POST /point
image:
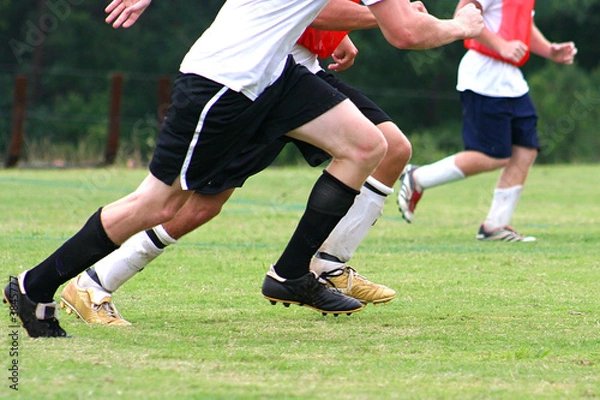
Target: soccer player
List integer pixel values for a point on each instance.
(499, 118)
(89, 295)
(236, 90)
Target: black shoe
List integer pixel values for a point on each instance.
(308, 291)
(39, 319)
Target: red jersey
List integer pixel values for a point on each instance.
(517, 19)
(322, 43)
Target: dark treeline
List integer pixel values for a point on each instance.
(68, 54)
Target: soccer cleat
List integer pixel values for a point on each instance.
(308, 291)
(352, 284)
(408, 195)
(92, 305)
(506, 234)
(39, 319)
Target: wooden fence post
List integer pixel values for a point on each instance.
(114, 123)
(17, 122)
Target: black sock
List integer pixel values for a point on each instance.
(81, 251)
(328, 202)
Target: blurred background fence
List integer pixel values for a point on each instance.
(77, 92)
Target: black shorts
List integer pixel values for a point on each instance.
(210, 127)
(255, 156)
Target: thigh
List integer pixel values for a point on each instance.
(339, 131)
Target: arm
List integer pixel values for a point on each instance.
(513, 50)
(407, 28)
(562, 53)
(125, 13)
(344, 15)
(343, 56)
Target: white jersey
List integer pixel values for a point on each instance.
(246, 46)
(485, 75)
(304, 57)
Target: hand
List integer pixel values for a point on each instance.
(513, 50)
(563, 53)
(418, 6)
(343, 56)
(125, 13)
(471, 19)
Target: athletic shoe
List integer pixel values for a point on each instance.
(92, 305)
(408, 195)
(352, 284)
(39, 319)
(308, 291)
(506, 234)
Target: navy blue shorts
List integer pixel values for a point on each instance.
(492, 125)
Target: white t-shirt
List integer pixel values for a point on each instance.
(485, 75)
(304, 57)
(246, 46)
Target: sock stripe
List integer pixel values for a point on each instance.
(374, 189)
(157, 242)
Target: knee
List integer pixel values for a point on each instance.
(206, 213)
(399, 149)
(202, 208)
(166, 213)
(524, 156)
(501, 162)
(373, 150)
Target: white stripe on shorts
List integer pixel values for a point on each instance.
(194, 142)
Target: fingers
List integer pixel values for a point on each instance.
(117, 14)
(123, 13)
(113, 4)
(564, 52)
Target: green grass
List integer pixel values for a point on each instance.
(472, 320)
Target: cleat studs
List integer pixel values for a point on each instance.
(286, 305)
(273, 302)
(324, 314)
(349, 314)
(336, 315)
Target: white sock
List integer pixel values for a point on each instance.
(438, 173)
(129, 259)
(98, 294)
(503, 206)
(353, 228)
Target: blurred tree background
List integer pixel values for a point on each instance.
(68, 54)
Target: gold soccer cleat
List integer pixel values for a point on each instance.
(352, 284)
(92, 305)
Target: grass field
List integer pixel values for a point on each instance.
(471, 321)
